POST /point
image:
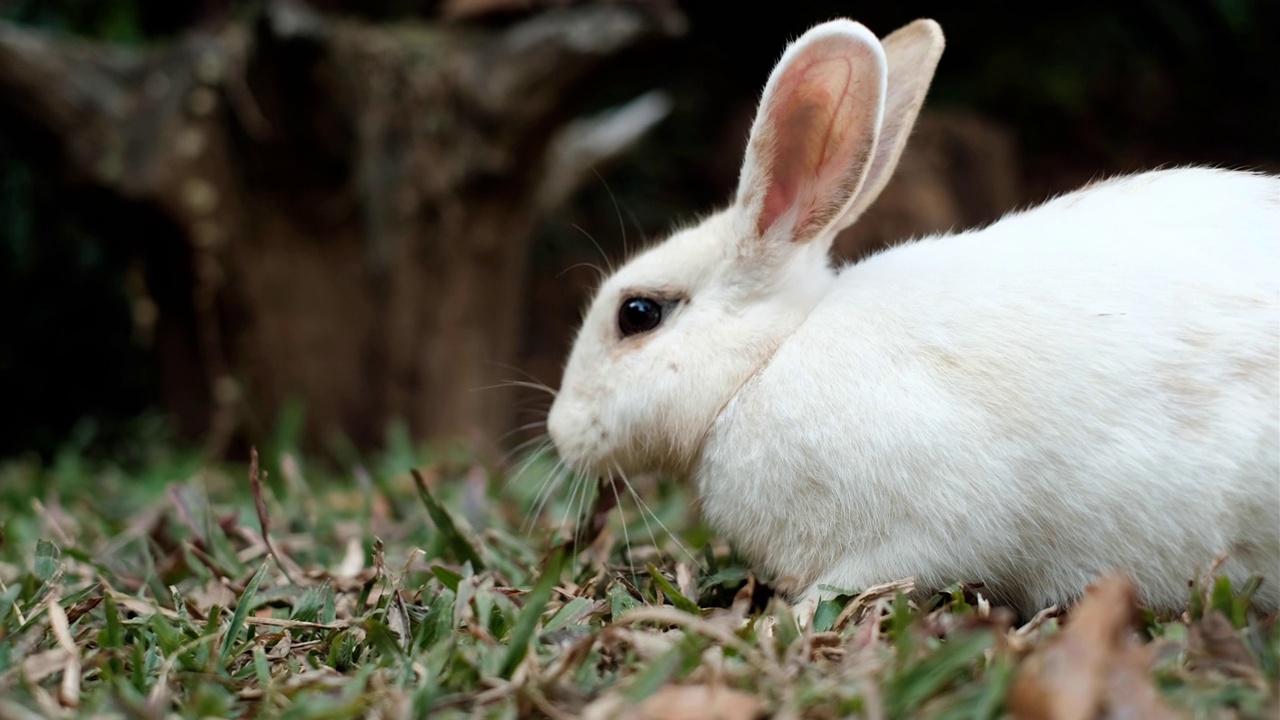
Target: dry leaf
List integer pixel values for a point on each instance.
(352, 561)
(684, 581)
(868, 599)
(141, 607)
(214, 592)
(1131, 694)
(1094, 668)
(735, 616)
(69, 690)
(679, 702)
(282, 648)
(646, 645)
(36, 668)
(1213, 644)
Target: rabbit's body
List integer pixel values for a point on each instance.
(1089, 386)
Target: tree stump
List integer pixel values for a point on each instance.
(334, 211)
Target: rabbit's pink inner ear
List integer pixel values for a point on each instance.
(818, 133)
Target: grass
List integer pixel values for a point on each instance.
(182, 589)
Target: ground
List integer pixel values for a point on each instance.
(178, 588)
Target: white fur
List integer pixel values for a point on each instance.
(1088, 386)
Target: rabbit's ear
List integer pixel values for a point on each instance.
(913, 52)
(814, 134)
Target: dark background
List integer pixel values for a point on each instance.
(1077, 89)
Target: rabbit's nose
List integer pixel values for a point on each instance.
(555, 427)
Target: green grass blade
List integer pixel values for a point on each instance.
(113, 635)
(674, 595)
(916, 683)
(1223, 598)
(1240, 606)
(826, 615)
(240, 615)
(447, 576)
(8, 599)
(309, 606)
(620, 601)
(570, 613)
(261, 668)
(48, 559)
(655, 675)
(535, 602)
(454, 540)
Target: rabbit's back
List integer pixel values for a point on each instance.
(1090, 385)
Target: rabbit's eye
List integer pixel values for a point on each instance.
(638, 315)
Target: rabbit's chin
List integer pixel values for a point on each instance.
(621, 465)
(585, 454)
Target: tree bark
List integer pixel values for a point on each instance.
(336, 212)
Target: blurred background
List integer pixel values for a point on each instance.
(222, 221)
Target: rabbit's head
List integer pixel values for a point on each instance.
(675, 332)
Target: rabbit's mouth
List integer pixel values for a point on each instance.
(608, 490)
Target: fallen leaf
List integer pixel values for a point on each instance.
(69, 690)
(80, 609)
(735, 616)
(141, 607)
(214, 592)
(684, 581)
(282, 648)
(1130, 692)
(647, 645)
(352, 560)
(36, 668)
(1094, 668)
(679, 702)
(868, 598)
(1213, 644)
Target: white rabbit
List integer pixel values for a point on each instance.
(1087, 386)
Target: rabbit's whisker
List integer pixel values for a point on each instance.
(622, 228)
(599, 249)
(622, 514)
(545, 489)
(599, 270)
(645, 508)
(523, 428)
(512, 368)
(541, 387)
